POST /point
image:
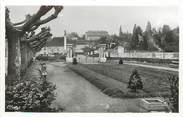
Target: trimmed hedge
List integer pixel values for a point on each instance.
(148, 60)
(49, 58)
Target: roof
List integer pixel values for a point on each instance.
(97, 33)
(56, 41)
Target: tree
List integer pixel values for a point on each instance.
(135, 81)
(137, 41)
(16, 31)
(102, 40)
(120, 32)
(73, 35)
(32, 43)
(172, 84)
(169, 39)
(114, 39)
(148, 36)
(134, 40)
(88, 49)
(82, 37)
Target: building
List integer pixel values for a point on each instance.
(114, 52)
(54, 46)
(95, 35)
(79, 47)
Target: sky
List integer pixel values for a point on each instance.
(109, 18)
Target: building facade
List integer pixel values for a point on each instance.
(95, 35)
(54, 46)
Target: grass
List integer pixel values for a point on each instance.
(112, 78)
(153, 79)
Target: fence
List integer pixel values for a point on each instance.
(154, 55)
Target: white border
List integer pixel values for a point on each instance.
(83, 3)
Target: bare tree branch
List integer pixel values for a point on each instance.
(40, 46)
(27, 18)
(53, 16)
(35, 20)
(42, 34)
(39, 42)
(19, 23)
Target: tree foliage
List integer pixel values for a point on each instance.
(166, 39)
(138, 41)
(170, 40)
(172, 84)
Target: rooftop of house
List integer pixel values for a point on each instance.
(97, 33)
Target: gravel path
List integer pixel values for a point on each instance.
(154, 67)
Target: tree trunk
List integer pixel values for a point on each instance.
(24, 61)
(14, 57)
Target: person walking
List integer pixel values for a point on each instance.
(43, 72)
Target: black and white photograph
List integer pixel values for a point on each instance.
(91, 59)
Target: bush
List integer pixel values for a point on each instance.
(121, 61)
(29, 96)
(43, 58)
(75, 61)
(173, 86)
(135, 81)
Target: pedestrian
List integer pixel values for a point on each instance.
(43, 71)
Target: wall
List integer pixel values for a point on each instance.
(159, 55)
(51, 50)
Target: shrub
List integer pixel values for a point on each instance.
(173, 86)
(135, 81)
(121, 61)
(41, 57)
(75, 61)
(30, 96)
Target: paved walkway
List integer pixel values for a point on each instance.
(76, 94)
(154, 67)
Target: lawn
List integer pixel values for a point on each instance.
(153, 79)
(112, 79)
